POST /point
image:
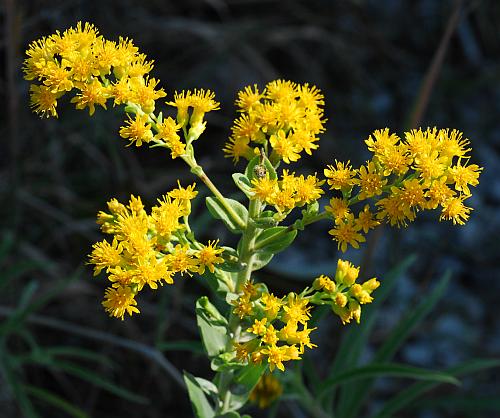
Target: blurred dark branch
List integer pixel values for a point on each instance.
(434, 69)
(12, 102)
(147, 351)
(419, 109)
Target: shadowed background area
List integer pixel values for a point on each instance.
(396, 64)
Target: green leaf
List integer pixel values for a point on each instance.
(250, 375)
(261, 259)
(213, 327)
(243, 184)
(218, 211)
(276, 239)
(250, 173)
(383, 370)
(231, 261)
(55, 400)
(199, 402)
(408, 395)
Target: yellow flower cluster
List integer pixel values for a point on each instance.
(343, 294)
(288, 193)
(426, 170)
(148, 249)
(101, 70)
(81, 59)
(285, 116)
(267, 390)
(277, 327)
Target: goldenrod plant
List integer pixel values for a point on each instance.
(258, 332)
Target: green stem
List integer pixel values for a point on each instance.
(247, 248)
(198, 170)
(245, 256)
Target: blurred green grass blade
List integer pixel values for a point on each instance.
(192, 346)
(408, 324)
(54, 400)
(355, 338)
(97, 380)
(17, 389)
(463, 403)
(386, 370)
(80, 353)
(408, 395)
(353, 401)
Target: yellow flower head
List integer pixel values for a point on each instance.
(208, 257)
(346, 232)
(118, 301)
(137, 130)
(340, 176)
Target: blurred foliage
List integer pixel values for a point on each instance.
(369, 58)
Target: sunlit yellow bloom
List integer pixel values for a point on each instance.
(272, 305)
(144, 94)
(208, 257)
(43, 101)
(259, 327)
(370, 181)
(105, 255)
(391, 209)
(284, 147)
(341, 176)
(248, 97)
(165, 216)
(91, 94)
(452, 144)
(151, 271)
(281, 90)
(438, 193)
(339, 208)
(325, 283)
(347, 233)
(237, 148)
(381, 141)
(412, 194)
(180, 261)
(346, 272)
(296, 309)
(119, 300)
(465, 175)
(265, 188)
(455, 210)
(137, 130)
(365, 220)
(430, 166)
(307, 189)
(310, 96)
(395, 160)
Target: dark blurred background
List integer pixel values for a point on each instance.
(396, 64)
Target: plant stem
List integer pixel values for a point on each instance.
(247, 250)
(246, 256)
(198, 170)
